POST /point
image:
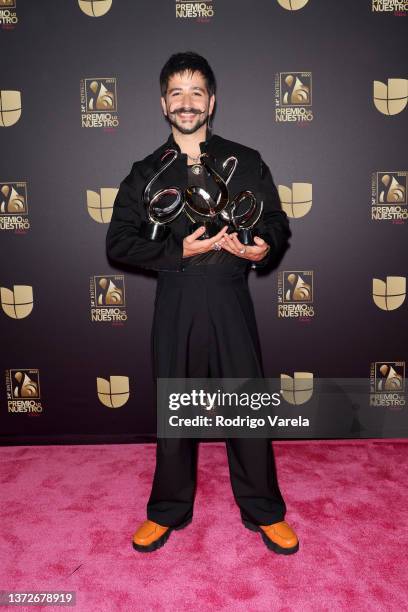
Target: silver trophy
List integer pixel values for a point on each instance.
(242, 222)
(159, 211)
(199, 202)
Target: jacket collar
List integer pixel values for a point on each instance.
(203, 145)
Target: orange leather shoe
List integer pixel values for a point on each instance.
(150, 535)
(278, 537)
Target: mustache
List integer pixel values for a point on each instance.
(193, 111)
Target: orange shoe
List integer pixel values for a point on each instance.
(278, 537)
(150, 535)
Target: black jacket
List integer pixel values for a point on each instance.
(125, 246)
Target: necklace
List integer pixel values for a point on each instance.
(196, 167)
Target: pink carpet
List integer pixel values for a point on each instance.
(68, 514)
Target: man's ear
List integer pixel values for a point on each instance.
(211, 105)
(163, 104)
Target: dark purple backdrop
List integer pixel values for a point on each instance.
(52, 47)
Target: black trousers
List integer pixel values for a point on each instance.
(204, 326)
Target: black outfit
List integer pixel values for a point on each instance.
(204, 322)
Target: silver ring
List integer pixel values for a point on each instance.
(216, 246)
(243, 250)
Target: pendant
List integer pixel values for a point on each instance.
(196, 168)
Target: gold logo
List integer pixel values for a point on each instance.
(393, 7)
(25, 384)
(7, 4)
(99, 103)
(392, 189)
(296, 294)
(101, 94)
(296, 200)
(297, 390)
(17, 303)
(389, 295)
(109, 293)
(296, 288)
(100, 205)
(390, 98)
(95, 8)
(389, 196)
(293, 97)
(389, 376)
(13, 198)
(100, 97)
(10, 107)
(296, 88)
(108, 303)
(114, 392)
(387, 383)
(200, 11)
(293, 5)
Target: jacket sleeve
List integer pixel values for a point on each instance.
(123, 243)
(273, 225)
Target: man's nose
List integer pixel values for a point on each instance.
(187, 101)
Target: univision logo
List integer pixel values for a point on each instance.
(100, 203)
(390, 98)
(297, 389)
(95, 8)
(114, 392)
(296, 200)
(10, 107)
(18, 302)
(292, 5)
(389, 294)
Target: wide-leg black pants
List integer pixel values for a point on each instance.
(204, 326)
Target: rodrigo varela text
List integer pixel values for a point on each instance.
(238, 421)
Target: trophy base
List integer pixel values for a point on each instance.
(211, 229)
(245, 236)
(153, 231)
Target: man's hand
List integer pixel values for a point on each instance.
(257, 252)
(193, 246)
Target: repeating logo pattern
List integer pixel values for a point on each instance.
(14, 206)
(108, 300)
(294, 99)
(95, 8)
(99, 103)
(10, 107)
(389, 196)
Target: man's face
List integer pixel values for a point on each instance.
(187, 103)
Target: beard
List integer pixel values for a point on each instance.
(172, 119)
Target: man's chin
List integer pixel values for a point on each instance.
(186, 129)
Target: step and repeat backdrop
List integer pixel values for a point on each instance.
(319, 87)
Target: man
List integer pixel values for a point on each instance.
(204, 322)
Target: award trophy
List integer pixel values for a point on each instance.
(159, 212)
(204, 205)
(244, 222)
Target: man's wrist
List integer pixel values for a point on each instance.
(266, 252)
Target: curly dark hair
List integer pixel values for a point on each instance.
(190, 61)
